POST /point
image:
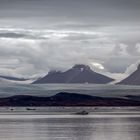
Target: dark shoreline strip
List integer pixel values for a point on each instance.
(69, 100)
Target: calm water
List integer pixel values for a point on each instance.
(98, 126)
(60, 124)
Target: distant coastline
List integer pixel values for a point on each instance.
(69, 100)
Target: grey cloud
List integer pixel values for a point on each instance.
(118, 50)
(78, 26)
(61, 52)
(17, 34)
(119, 64)
(56, 34)
(41, 56)
(95, 12)
(82, 37)
(49, 34)
(122, 57)
(12, 35)
(133, 49)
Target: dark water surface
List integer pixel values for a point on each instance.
(98, 126)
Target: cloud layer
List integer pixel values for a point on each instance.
(32, 53)
(38, 36)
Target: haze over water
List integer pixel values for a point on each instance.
(52, 89)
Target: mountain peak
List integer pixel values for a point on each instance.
(77, 74)
(79, 66)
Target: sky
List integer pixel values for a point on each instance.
(37, 36)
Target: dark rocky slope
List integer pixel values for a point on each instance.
(77, 74)
(133, 79)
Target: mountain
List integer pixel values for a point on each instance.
(133, 79)
(133, 97)
(77, 74)
(66, 99)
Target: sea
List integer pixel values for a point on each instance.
(62, 123)
(104, 124)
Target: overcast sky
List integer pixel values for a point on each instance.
(40, 35)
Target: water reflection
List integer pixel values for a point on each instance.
(61, 127)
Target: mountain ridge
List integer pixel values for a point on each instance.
(132, 79)
(68, 99)
(77, 74)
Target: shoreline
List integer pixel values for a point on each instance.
(64, 99)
